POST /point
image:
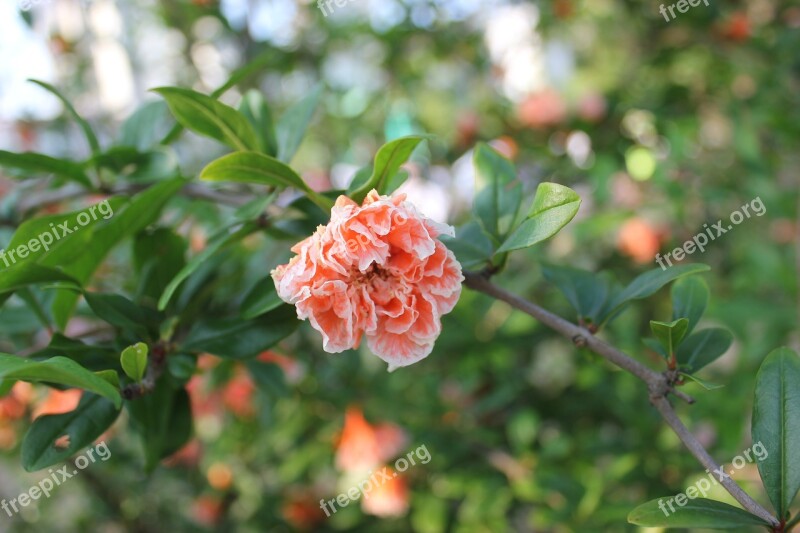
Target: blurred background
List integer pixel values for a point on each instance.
(661, 126)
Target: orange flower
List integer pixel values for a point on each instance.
(388, 498)
(363, 446)
(639, 240)
(377, 270)
(58, 402)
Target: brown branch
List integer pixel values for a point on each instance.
(659, 385)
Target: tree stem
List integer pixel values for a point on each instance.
(658, 384)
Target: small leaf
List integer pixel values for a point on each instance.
(388, 160)
(57, 370)
(670, 334)
(134, 361)
(553, 207)
(207, 116)
(87, 422)
(32, 164)
(703, 348)
(689, 300)
(292, 126)
(776, 425)
(699, 513)
(703, 383)
(497, 203)
(261, 169)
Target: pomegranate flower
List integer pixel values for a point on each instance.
(377, 270)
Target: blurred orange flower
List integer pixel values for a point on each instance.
(363, 446)
(638, 240)
(389, 498)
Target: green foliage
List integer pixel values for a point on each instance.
(387, 164)
(776, 424)
(134, 361)
(698, 512)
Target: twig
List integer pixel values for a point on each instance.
(659, 385)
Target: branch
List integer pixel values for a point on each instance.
(659, 384)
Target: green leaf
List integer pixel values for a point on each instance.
(57, 370)
(134, 361)
(388, 160)
(207, 116)
(263, 297)
(703, 383)
(142, 210)
(39, 164)
(143, 129)
(87, 422)
(261, 169)
(689, 300)
(242, 339)
(158, 255)
(553, 207)
(586, 291)
(776, 425)
(471, 245)
(256, 111)
(497, 203)
(91, 138)
(703, 348)
(110, 376)
(22, 275)
(163, 420)
(121, 312)
(698, 513)
(292, 126)
(651, 281)
(670, 334)
(218, 242)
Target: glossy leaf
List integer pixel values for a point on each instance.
(553, 207)
(390, 157)
(703, 348)
(776, 425)
(261, 169)
(696, 513)
(134, 361)
(93, 416)
(670, 334)
(57, 370)
(689, 300)
(206, 116)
